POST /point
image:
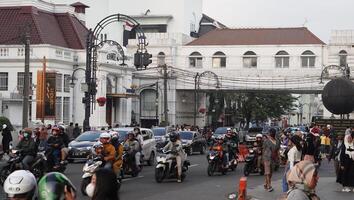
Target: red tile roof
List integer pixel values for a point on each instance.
(60, 29)
(258, 36)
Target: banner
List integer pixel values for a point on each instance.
(39, 95)
(50, 95)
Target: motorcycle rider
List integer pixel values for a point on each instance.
(109, 151)
(219, 145)
(20, 185)
(55, 143)
(28, 148)
(119, 152)
(134, 147)
(176, 148)
(231, 140)
(54, 186)
(140, 140)
(64, 150)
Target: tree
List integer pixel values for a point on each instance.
(261, 106)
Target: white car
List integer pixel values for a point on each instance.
(148, 146)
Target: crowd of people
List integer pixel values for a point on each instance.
(304, 153)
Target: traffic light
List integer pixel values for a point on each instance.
(138, 60)
(147, 59)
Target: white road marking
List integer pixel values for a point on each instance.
(193, 165)
(129, 179)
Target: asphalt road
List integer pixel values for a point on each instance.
(197, 185)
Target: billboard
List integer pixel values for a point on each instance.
(46, 95)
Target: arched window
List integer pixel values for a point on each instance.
(282, 59)
(308, 59)
(250, 59)
(343, 58)
(219, 59)
(161, 57)
(196, 60)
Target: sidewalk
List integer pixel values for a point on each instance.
(327, 189)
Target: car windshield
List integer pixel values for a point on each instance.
(220, 131)
(184, 135)
(88, 136)
(159, 131)
(122, 134)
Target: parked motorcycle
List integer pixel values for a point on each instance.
(251, 164)
(215, 161)
(166, 167)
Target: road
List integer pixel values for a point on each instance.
(199, 186)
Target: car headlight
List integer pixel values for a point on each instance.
(88, 148)
(69, 148)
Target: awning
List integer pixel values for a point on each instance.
(122, 95)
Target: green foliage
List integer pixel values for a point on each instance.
(261, 106)
(4, 120)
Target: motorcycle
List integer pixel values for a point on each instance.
(167, 166)
(51, 167)
(215, 161)
(251, 164)
(129, 167)
(12, 164)
(89, 169)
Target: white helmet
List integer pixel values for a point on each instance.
(4, 126)
(105, 135)
(114, 134)
(259, 135)
(97, 145)
(21, 182)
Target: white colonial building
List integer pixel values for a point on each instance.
(58, 33)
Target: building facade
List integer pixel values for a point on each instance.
(58, 33)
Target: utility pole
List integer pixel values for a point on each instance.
(157, 103)
(88, 81)
(165, 94)
(195, 99)
(26, 85)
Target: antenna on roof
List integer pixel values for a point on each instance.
(305, 22)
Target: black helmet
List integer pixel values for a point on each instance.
(52, 186)
(173, 136)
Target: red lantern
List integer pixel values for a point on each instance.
(202, 110)
(101, 101)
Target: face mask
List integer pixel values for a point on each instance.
(90, 189)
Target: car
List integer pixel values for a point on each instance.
(192, 142)
(250, 136)
(80, 147)
(161, 136)
(221, 131)
(148, 146)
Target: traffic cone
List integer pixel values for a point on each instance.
(242, 191)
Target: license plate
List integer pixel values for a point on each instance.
(78, 154)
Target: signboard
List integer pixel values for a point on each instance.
(39, 96)
(50, 95)
(339, 125)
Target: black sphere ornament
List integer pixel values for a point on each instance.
(338, 96)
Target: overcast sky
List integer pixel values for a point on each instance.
(320, 16)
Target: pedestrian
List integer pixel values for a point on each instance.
(302, 180)
(268, 148)
(103, 185)
(43, 137)
(336, 147)
(346, 173)
(70, 131)
(294, 156)
(309, 148)
(76, 131)
(6, 138)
